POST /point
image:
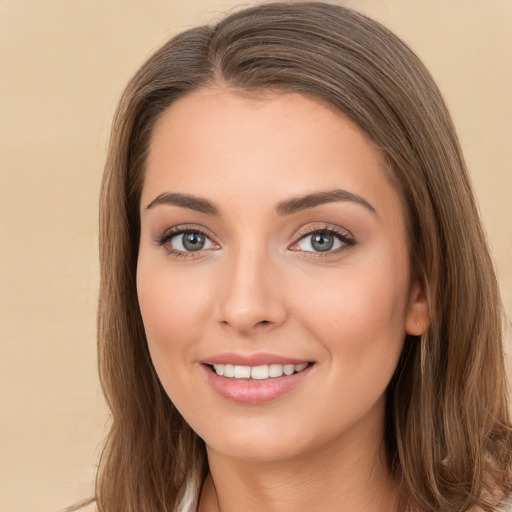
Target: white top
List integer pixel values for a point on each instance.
(506, 506)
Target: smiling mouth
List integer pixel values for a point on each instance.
(261, 372)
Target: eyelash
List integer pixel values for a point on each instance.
(346, 239)
(163, 241)
(343, 236)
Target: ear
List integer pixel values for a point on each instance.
(418, 316)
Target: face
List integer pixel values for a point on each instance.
(273, 275)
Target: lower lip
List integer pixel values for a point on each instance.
(253, 391)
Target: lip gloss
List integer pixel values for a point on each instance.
(252, 391)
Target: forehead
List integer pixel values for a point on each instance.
(215, 142)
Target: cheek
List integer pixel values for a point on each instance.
(173, 310)
(360, 317)
(366, 298)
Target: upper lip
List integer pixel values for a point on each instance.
(256, 359)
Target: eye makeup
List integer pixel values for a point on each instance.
(193, 241)
(325, 237)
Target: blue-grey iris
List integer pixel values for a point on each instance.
(193, 241)
(322, 242)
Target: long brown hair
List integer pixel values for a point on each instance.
(448, 434)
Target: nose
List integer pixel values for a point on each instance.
(251, 297)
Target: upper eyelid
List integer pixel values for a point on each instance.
(180, 229)
(323, 227)
(164, 241)
(343, 235)
(301, 233)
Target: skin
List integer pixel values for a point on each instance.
(259, 286)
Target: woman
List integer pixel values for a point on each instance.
(298, 309)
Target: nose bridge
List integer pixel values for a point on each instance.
(250, 297)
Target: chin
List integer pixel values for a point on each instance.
(256, 448)
(270, 441)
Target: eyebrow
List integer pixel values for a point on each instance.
(318, 198)
(185, 201)
(287, 207)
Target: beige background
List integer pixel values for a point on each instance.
(63, 65)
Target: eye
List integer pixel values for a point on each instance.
(185, 241)
(323, 241)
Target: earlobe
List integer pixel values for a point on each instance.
(418, 314)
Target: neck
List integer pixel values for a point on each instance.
(350, 475)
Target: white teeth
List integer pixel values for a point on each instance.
(275, 370)
(229, 370)
(261, 372)
(242, 372)
(288, 369)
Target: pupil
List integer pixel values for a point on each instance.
(193, 241)
(322, 242)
